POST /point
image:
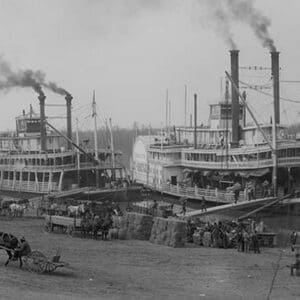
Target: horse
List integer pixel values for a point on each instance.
(17, 210)
(10, 243)
(106, 224)
(91, 227)
(76, 210)
(5, 206)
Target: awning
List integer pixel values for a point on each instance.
(253, 173)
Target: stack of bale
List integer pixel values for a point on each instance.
(169, 232)
(135, 226)
(197, 238)
(206, 241)
(113, 232)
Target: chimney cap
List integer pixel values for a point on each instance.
(68, 97)
(41, 96)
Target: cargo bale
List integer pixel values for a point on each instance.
(197, 238)
(169, 232)
(136, 226)
(206, 239)
(113, 233)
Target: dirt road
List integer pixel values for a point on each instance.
(140, 270)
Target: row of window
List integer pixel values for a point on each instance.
(25, 176)
(212, 157)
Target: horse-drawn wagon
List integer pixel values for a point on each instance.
(63, 224)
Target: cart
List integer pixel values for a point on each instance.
(62, 224)
(37, 262)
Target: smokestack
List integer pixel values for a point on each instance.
(42, 98)
(69, 119)
(235, 107)
(275, 75)
(195, 121)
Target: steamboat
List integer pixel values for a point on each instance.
(37, 158)
(205, 162)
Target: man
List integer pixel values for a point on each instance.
(255, 242)
(236, 189)
(184, 202)
(265, 186)
(250, 190)
(22, 250)
(293, 239)
(203, 204)
(154, 208)
(246, 238)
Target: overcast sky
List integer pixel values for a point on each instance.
(131, 51)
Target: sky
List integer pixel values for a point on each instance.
(131, 51)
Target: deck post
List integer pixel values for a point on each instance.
(36, 181)
(60, 181)
(21, 180)
(50, 181)
(28, 181)
(2, 176)
(14, 179)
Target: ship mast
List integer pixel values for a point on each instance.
(78, 153)
(94, 115)
(112, 150)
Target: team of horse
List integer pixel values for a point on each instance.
(92, 226)
(94, 220)
(13, 208)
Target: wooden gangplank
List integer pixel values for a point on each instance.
(69, 193)
(231, 206)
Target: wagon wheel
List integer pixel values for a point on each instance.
(50, 267)
(42, 266)
(35, 261)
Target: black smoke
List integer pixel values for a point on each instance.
(225, 12)
(36, 80)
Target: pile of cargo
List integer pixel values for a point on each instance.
(134, 226)
(165, 231)
(170, 232)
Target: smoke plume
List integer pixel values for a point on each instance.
(36, 80)
(227, 11)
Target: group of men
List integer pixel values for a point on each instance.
(246, 240)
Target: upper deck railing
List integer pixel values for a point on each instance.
(223, 165)
(214, 195)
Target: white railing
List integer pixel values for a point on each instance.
(214, 195)
(28, 186)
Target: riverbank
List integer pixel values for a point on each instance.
(141, 270)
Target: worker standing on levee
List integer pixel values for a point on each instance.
(255, 242)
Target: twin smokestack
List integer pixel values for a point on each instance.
(235, 108)
(42, 99)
